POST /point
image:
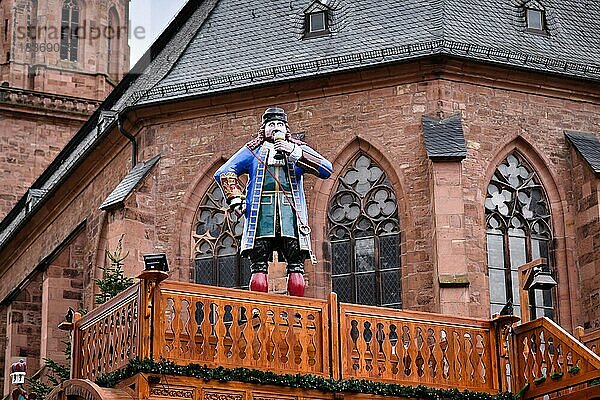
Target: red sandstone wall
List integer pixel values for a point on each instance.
(586, 192)
(23, 328)
(28, 143)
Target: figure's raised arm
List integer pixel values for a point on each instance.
(314, 163)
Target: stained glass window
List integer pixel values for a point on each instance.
(216, 239)
(69, 30)
(365, 238)
(518, 231)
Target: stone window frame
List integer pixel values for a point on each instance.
(511, 226)
(344, 231)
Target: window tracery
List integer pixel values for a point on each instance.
(365, 237)
(519, 230)
(216, 239)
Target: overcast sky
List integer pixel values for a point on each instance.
(153, 16)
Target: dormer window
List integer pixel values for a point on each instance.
(535, 20)
(317, 18)
(316, 22)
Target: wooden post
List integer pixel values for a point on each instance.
(149, 282)
(525, 275)
(334, 343)
(498, 324)
(579, 332)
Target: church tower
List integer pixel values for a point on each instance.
(65, 47)
(58, 60)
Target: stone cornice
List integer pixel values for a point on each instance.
(47, 102)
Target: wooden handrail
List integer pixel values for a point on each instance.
(107, 338)
(549, 359)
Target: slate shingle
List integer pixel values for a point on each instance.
(444, 139)
(245, 43)
(588, 145)
(128, 184)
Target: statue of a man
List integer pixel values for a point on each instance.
(273, 200)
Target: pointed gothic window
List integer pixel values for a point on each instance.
(365, 237)
(216, 239)
(69, 31)
(518, 231)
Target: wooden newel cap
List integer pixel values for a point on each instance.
(153, 275)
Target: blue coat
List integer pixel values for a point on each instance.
(246, 161)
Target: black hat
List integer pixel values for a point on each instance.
(274, 114)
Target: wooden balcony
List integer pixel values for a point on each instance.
(215, 327)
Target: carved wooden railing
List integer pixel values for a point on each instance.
(417, 348)
(185, 323)
(550, 360)
(234, 328)
(108, 337)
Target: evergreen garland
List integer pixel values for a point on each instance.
(303, 381)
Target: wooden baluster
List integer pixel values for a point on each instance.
(408, 353)
(213, 337)
(169, 333)
(481, 370)
(420, 347)
(297, 347)
(177, 325)
(367, 336)
(256, 326)
(270, 326)
(546, 365)
(472, 357)
(227, 339)
(198, 320)
(535, 354)
(444, 346)
(354, 340)
(311, 349)
(242, 324)
(381, 357)
(432, 356)
(394, 349)
(459, 354)
(284, 335)
(184, 333)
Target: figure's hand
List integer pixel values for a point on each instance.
(238, 206)
(284, 146)
(239, 209)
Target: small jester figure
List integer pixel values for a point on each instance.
(273, 201)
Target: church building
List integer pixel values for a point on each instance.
(464, 138)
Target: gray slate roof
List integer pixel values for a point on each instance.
(247, 43)
(129, 183)
(588, 145)
(444, 139)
